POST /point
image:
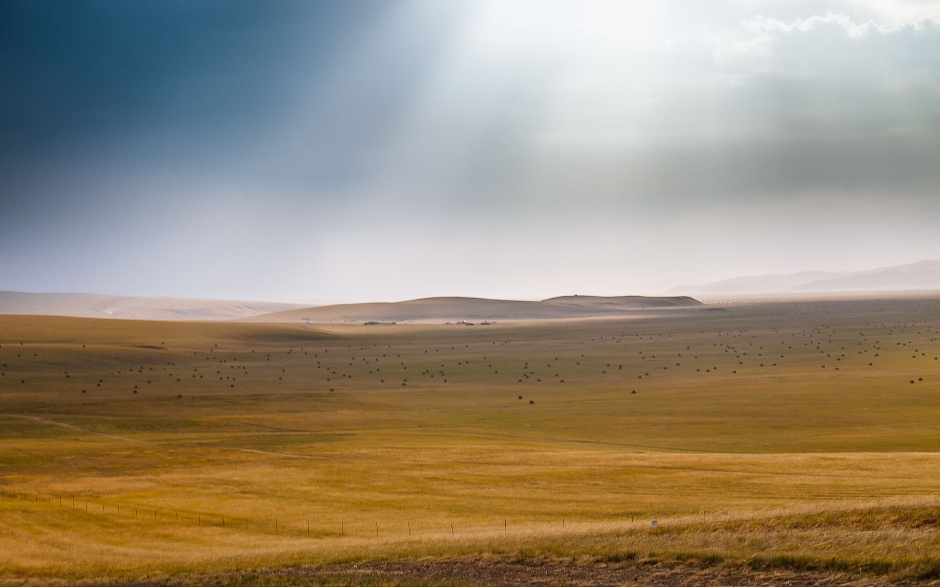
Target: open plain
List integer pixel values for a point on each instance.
(771, 442)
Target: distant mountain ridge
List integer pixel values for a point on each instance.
(481, 309)
(923, 275)
(920, 276)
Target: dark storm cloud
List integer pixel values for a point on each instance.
(127, 126)
(74, 68)
(274, 146)
(163, 85)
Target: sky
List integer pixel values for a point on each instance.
(382, 150)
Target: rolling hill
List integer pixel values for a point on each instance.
(481, 309)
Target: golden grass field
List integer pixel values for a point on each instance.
(777, 435)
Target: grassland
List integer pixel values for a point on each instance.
(798, 436)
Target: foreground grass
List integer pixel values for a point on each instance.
(800, 436)
(899, 541)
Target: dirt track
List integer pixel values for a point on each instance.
(542, 572)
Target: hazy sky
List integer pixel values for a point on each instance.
(392, 149)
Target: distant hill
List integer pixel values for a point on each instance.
(455, 309)
(924, 275)
(135, 308)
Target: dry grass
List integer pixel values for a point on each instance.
(221, 447)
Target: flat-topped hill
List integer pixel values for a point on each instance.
(481, 309)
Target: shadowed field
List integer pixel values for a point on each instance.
(799, 436)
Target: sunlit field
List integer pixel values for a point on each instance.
(775, 435)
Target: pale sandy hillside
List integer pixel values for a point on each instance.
(455, 309)
(133, 308)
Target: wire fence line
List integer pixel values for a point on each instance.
(278, 524)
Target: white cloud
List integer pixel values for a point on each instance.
(854, 30)
(814, 40)
(894, 12)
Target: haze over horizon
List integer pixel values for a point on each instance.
(510, 149)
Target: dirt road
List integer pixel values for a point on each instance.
(506, 572)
